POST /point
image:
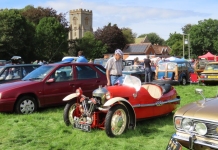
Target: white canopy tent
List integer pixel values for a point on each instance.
(141, 57)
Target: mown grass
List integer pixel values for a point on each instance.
(45, 130)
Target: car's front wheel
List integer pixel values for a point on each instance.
(26, 105)
(70, 110)
(116, 120)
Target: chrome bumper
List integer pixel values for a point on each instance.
(193, 140)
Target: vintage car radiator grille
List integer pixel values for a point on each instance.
(212, 128)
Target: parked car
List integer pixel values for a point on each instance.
(138, 71)
(210, 74)
(200, 65)
(196, 125)
(3, 62)
(118, 107)
(49, 84)
(173, 72)
(101, 61)
(11, 73)
(16, 60)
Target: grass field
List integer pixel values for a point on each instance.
(45, 130)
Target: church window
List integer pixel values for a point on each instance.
(74, 20)
(86, 21)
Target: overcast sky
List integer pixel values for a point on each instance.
(142, 16)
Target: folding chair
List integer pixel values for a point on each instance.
(194, 78)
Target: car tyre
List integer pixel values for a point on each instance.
(26, 105)
(116, 120)
(70, 110)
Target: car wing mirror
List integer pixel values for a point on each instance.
(51, 80)
(199, 91)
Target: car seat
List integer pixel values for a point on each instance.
(62, 76)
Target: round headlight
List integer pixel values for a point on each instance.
(186, 124)
(108, 95)
(201, 128)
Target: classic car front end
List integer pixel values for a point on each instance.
(196, 125)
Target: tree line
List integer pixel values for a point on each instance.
(42, 34)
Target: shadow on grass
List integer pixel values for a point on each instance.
(51, 109)
(151, 127)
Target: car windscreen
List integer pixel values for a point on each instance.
(101, 68)
(1, 68)
(39, 73)
(211, 67)
(133, 68)
(167, 66)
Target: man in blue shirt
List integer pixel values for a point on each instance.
(81, 57)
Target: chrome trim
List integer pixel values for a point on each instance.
(200, 119)
(196, 141)
(158, 103)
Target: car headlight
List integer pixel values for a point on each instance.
(177, 122)
(201, 128)
(108, 95)
(187, 124)
(203, 76)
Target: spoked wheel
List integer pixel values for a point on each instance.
(26, 105)
(70, 110)
(116, 120)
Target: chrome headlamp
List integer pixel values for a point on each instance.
(187, 124)
(201, 128)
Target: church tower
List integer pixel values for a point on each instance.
(80, 22)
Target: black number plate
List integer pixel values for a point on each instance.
(84, 127)
(174, 145)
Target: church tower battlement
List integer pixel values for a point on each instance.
(80, 22)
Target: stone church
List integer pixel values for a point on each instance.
(80, 22)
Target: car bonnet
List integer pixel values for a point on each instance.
(15, 85)
(204, 110)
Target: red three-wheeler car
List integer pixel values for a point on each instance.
(118, 107)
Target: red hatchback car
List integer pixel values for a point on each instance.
(49, 84)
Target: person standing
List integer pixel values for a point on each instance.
(81, 57)
(148, 72)
(114, 67)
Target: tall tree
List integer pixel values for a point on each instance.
(112, 36)
(36, 14)
(51, 38)
(175, 43)
(16, 34)
(204, 37)
(91, 47)
(129, 35)
(186, 28)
